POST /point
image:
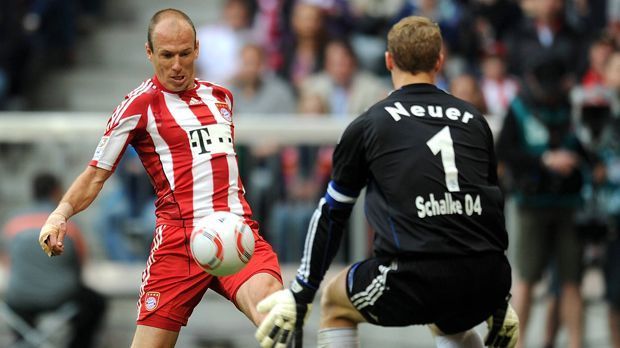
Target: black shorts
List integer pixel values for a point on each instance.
(454, 293)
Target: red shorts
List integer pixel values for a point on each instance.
(173, 284)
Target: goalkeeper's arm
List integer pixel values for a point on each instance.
(289, 308)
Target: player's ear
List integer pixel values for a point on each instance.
(389, 61)
(440, 61)
(197, 48)
(149, 52)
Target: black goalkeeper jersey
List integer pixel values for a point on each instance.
(428, 164)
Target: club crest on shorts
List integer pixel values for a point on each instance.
(151, 300)
(224, 111)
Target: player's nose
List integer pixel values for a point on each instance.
(176, 65)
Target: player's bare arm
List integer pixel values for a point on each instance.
(78, 197)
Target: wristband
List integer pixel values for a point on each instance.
(302, 292)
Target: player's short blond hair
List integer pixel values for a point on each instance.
(415, 44)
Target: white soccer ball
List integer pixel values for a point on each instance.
(222, 243)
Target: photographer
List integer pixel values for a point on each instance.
(598, 118)
(543, 157)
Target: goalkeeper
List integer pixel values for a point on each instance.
(427, 161)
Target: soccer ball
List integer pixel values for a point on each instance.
(222, 243)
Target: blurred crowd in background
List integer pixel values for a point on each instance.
(37, 36)
(545, 73)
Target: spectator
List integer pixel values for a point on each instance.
(598, 115)
(538, 146)
(371, 20)
(222, 42)
(466, 87)
(257, 91)
(36, 283)
(303, 49)
(500, 16)
(598, 53)
(269, 29)
(594, 127)
(482, 26)
(498, 87)
(588, 15)
(346, 90)
(543, 31)
(304, 172)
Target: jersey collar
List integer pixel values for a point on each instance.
(418, 88)
(161, 87)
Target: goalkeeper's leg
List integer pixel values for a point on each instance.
(339, 319)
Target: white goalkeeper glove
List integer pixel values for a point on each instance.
(287, 314)
(503, 328)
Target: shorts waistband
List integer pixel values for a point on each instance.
(176, 223)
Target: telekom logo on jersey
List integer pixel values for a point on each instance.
(398, 110)
(214, 138)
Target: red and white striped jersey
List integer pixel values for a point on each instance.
(185, 142)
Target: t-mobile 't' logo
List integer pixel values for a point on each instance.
(201, 140)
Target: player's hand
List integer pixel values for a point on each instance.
(503, 328)
(52, 234)
(285, 316)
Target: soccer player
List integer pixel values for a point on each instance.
(182, 129)
(427, 161)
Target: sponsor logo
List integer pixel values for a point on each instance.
(151, 300)
(194, 101)
(211, 139)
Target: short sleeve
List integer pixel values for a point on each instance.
(126, 121)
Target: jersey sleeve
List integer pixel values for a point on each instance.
(127, 120)
(349, 176)
(350, 167)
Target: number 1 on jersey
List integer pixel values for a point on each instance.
(442, 143)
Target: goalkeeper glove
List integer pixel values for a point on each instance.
(503, 328)
(287, 311)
